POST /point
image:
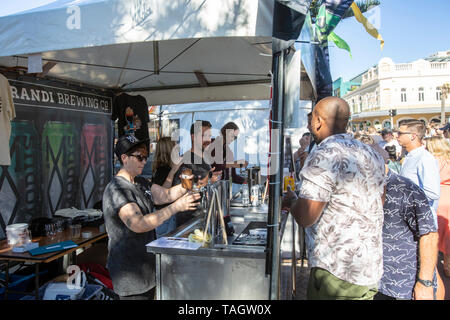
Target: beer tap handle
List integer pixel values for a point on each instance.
(222, 221)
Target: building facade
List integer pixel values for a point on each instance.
(411, 90)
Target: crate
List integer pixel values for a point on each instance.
(16, 283)
(90, 293)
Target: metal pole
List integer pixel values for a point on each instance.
(444, 92)
(273, 245)
(442, 110)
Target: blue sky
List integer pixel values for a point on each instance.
(412, 29)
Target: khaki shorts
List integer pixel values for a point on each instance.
(323, 285)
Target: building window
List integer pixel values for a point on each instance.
(337, 92)
(421, 94)
(438, 93)
(403, 95)
(387, 124)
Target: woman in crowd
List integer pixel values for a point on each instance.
(221, 156)
(440, 148)
(163, 170)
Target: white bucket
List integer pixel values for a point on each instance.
(18, 234)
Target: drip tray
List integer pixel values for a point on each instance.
(255, 234)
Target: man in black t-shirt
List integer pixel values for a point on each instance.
(194, 159)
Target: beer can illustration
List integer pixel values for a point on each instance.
(61, 169)
(93, 164)
(20, 187)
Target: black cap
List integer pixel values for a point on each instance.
(126, 143)
(385, 131)
(446, 127)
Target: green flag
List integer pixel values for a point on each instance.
(340, 42)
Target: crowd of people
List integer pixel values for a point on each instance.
(374, 205)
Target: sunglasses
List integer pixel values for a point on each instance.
(400, 133)
(139, 157)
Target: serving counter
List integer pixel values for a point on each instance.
(219, 271)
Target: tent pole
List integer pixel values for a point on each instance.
(276, 171)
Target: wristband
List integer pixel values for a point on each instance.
(426, 283)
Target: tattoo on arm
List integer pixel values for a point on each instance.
(128, 223)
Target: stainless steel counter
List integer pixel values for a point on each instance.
(223, 272)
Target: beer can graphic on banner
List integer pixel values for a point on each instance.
(61, 169)
(20, 185)
(93, 164)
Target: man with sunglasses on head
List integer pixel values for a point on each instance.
(419, 165)
(422, 168)
(131, 220)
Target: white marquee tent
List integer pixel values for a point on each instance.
(196, 55)
(168, 51)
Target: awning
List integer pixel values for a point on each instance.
(168, 51)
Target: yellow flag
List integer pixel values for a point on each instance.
(369, 27)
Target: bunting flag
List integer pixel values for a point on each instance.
(329, 15)
(340, 43)
(367, 25)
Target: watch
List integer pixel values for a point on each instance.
(426, 283)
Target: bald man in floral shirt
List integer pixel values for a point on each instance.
(340, 206)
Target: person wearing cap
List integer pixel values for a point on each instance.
(131, 221)
(445, 129)
(389, 140)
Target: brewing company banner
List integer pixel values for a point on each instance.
(61, 151)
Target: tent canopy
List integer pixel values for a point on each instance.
(168, 51)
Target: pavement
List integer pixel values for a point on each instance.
(297, 291)
(302, 276)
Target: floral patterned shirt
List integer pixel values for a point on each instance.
(346, 240)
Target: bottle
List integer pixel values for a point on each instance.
(244, 193)
(254, 197)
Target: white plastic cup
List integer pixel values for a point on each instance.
(18, 234)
